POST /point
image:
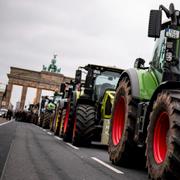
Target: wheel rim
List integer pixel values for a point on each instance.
(66, 118)
(160, 137)
(118, 120)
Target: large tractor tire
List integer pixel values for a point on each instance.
(46, 120)
(122, 149)
(84, 125)
(163, 137)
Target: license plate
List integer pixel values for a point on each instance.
(171, 33)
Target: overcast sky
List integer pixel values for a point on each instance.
(105, 32)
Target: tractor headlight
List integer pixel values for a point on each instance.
(169, 51)
(169, 56)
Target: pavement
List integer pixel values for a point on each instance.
(33, 153)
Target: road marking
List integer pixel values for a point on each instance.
(58, 138)
(49, 133)
(6, 123)
(107, 165)
(72, 146)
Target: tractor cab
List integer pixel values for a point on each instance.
(145, 116)
(107, 80)
(166, 56)
(98, 80)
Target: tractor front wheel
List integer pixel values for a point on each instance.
(122, 149)
(163, 137)
(84, 125)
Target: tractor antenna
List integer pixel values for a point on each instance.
(161, 7)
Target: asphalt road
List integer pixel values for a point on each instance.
(28, 152)
(7, 134)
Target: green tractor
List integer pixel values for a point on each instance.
(146, 111)
(47, 109)
(67, 115)
(89, 109)
(60, 102)
(53, 124)
(43, 102)
(32, 113)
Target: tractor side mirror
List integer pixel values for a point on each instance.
(78, 76)
(155, 23)
(139, 63)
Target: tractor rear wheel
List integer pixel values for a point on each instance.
(122, 149)
(163, 137)
(84, 125)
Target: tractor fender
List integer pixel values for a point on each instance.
(143, 83)
(133, 77)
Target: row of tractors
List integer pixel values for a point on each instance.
(136, 112)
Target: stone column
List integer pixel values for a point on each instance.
(23, 97)
(38, 95)
(1, 98)
(8, 94)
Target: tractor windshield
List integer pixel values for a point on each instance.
(106, 80)
(57, 99)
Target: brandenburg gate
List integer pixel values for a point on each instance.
(43, 80)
